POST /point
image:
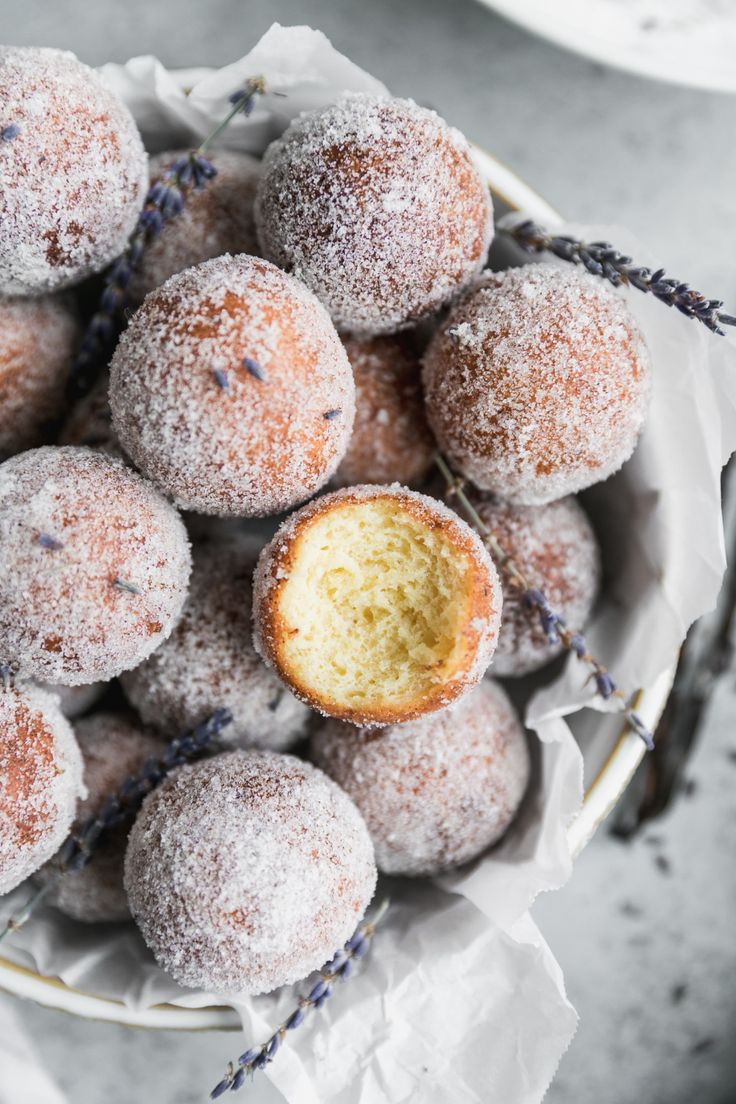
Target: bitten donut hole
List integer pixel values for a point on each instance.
(374, 607)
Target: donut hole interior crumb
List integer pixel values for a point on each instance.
(374, 607)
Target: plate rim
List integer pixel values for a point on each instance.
(545, 23)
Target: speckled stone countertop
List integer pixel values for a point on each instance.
(643, 931)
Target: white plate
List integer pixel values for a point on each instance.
(690, 42)
(606, 783)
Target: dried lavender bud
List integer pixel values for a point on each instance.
(330, 415)
(604, 684)
(317, 991)
(356, 944)
(295, 1019)
(221, 378)
(123, 584)
(255, 369)
(325, 996)
(8, 133)
(244, 99)
(47, 541)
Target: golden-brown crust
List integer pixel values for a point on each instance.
(22, 768)
(41, 773)
(481, 623)
(391, 440)
(38, 338)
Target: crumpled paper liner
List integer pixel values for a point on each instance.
(460, 999)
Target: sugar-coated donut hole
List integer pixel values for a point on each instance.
(216, 219)
(114, 747)
(73, 175)
(38, 339)
(555, 548)
(209, 662)
(247, 871)
(95, 562)
(391, 441)
(377, 205)
(41, 779)
(231, 390)
(377, 610)
(437, 791)
(537, 384)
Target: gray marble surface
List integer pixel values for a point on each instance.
(644, 932)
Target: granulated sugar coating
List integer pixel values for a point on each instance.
(376, 604)
(247, 871)
(113, 748)
(537, 385)
(95, 566)
(556, 549)
(231, 390)
(377, 205)
(40, 781)
(437, 791)
(209, 662)
(38, 339)
(391, 441)
(73, 172)
(217, 219)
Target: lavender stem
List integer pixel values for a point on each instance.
(339, 968)
(242, 102)
(553, 625)
(165, 200)
(80, 845)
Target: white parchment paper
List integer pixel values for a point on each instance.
(460, 999)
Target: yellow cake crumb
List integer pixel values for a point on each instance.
(376, 607)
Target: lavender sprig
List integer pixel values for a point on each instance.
(339, 968)
(552, 624)
(164, 201)
(80, 845)
(601, 259)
